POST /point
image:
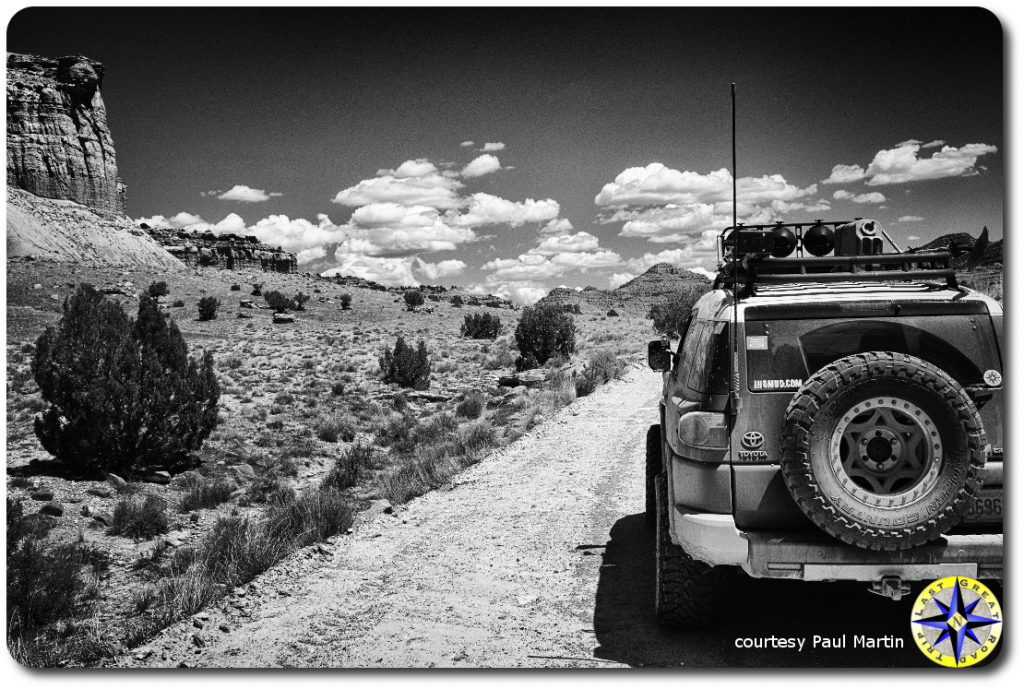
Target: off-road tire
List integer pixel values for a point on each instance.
(653, 468)
(685, 589)
(831, 397)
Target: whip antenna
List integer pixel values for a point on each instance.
(734, 387)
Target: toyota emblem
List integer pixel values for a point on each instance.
(753, 440)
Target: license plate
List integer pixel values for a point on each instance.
(988, 508)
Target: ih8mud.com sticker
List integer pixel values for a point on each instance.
(776, 384)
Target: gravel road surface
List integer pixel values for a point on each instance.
(538, 556)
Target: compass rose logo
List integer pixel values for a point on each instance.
(956, 621)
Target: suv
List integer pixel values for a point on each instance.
(827, 418)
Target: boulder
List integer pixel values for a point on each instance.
(104, 518)
(43, 495)
(284, 318)
(54, 509)
(116, 481)
(100, 491)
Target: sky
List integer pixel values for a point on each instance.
(514, 150)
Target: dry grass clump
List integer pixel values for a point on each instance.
(206, 494)
(136, 519)
(336, 426)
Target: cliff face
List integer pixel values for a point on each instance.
(58, 142)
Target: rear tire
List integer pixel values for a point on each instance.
(652, 471)
(686, 590)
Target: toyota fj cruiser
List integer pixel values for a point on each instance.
(832, 416)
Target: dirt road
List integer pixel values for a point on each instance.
(537, 557)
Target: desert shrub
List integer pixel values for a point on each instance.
(612, 313)
(408, 367)
(671, 315)
(435, 430)
(338, 388)
(278, 302)
(393, 429)
(333, 427)
(346, 301)
(208, 308)
(526, 362)
(44, 582)
(158, 289)
(503, 358)
(345, 471)
(236, 288)
(457, 301)
(413, 298)
(206, 494)
(122, 393)
(481, 326)
(472, 405)
(143, 519)
(300, 300)
(543, 332)
(257, 289)
(178, 303)
(600, 369)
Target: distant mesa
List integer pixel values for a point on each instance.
(635, 296)
(227, 251)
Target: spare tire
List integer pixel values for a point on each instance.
(883, 450)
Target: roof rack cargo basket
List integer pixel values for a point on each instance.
(753, 270)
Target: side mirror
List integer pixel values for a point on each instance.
(659, 356)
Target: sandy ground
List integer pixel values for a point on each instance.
(537, 557)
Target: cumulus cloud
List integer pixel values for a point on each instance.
(308, 255)
(231, 224)
(568, 243)
(414, 182)
(617, 280)
(533, 267)
(903, 163)
(913, 238)
(298, 234)
(845, 174)
(246, 194)
(487, 209)
(665, 205)
(910, 218)
(523, 294)
(657, 184)
(467, 144)
(496, 146)
(392, 272)
(696, 256)
(557, 226)
(482, 165)
(870, 197)
(441, 269)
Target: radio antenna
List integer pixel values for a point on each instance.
(734, 391)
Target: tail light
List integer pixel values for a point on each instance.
(702, 430)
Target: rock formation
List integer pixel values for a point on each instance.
(229, 251)
(58, 143)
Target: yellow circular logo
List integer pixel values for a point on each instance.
(956, 621)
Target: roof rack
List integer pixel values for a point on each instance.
(748, 259)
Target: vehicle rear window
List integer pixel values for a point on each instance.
(782, 354)
(704, 357)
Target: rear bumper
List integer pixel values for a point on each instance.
(814, 556)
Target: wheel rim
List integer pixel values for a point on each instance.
(886, 452)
